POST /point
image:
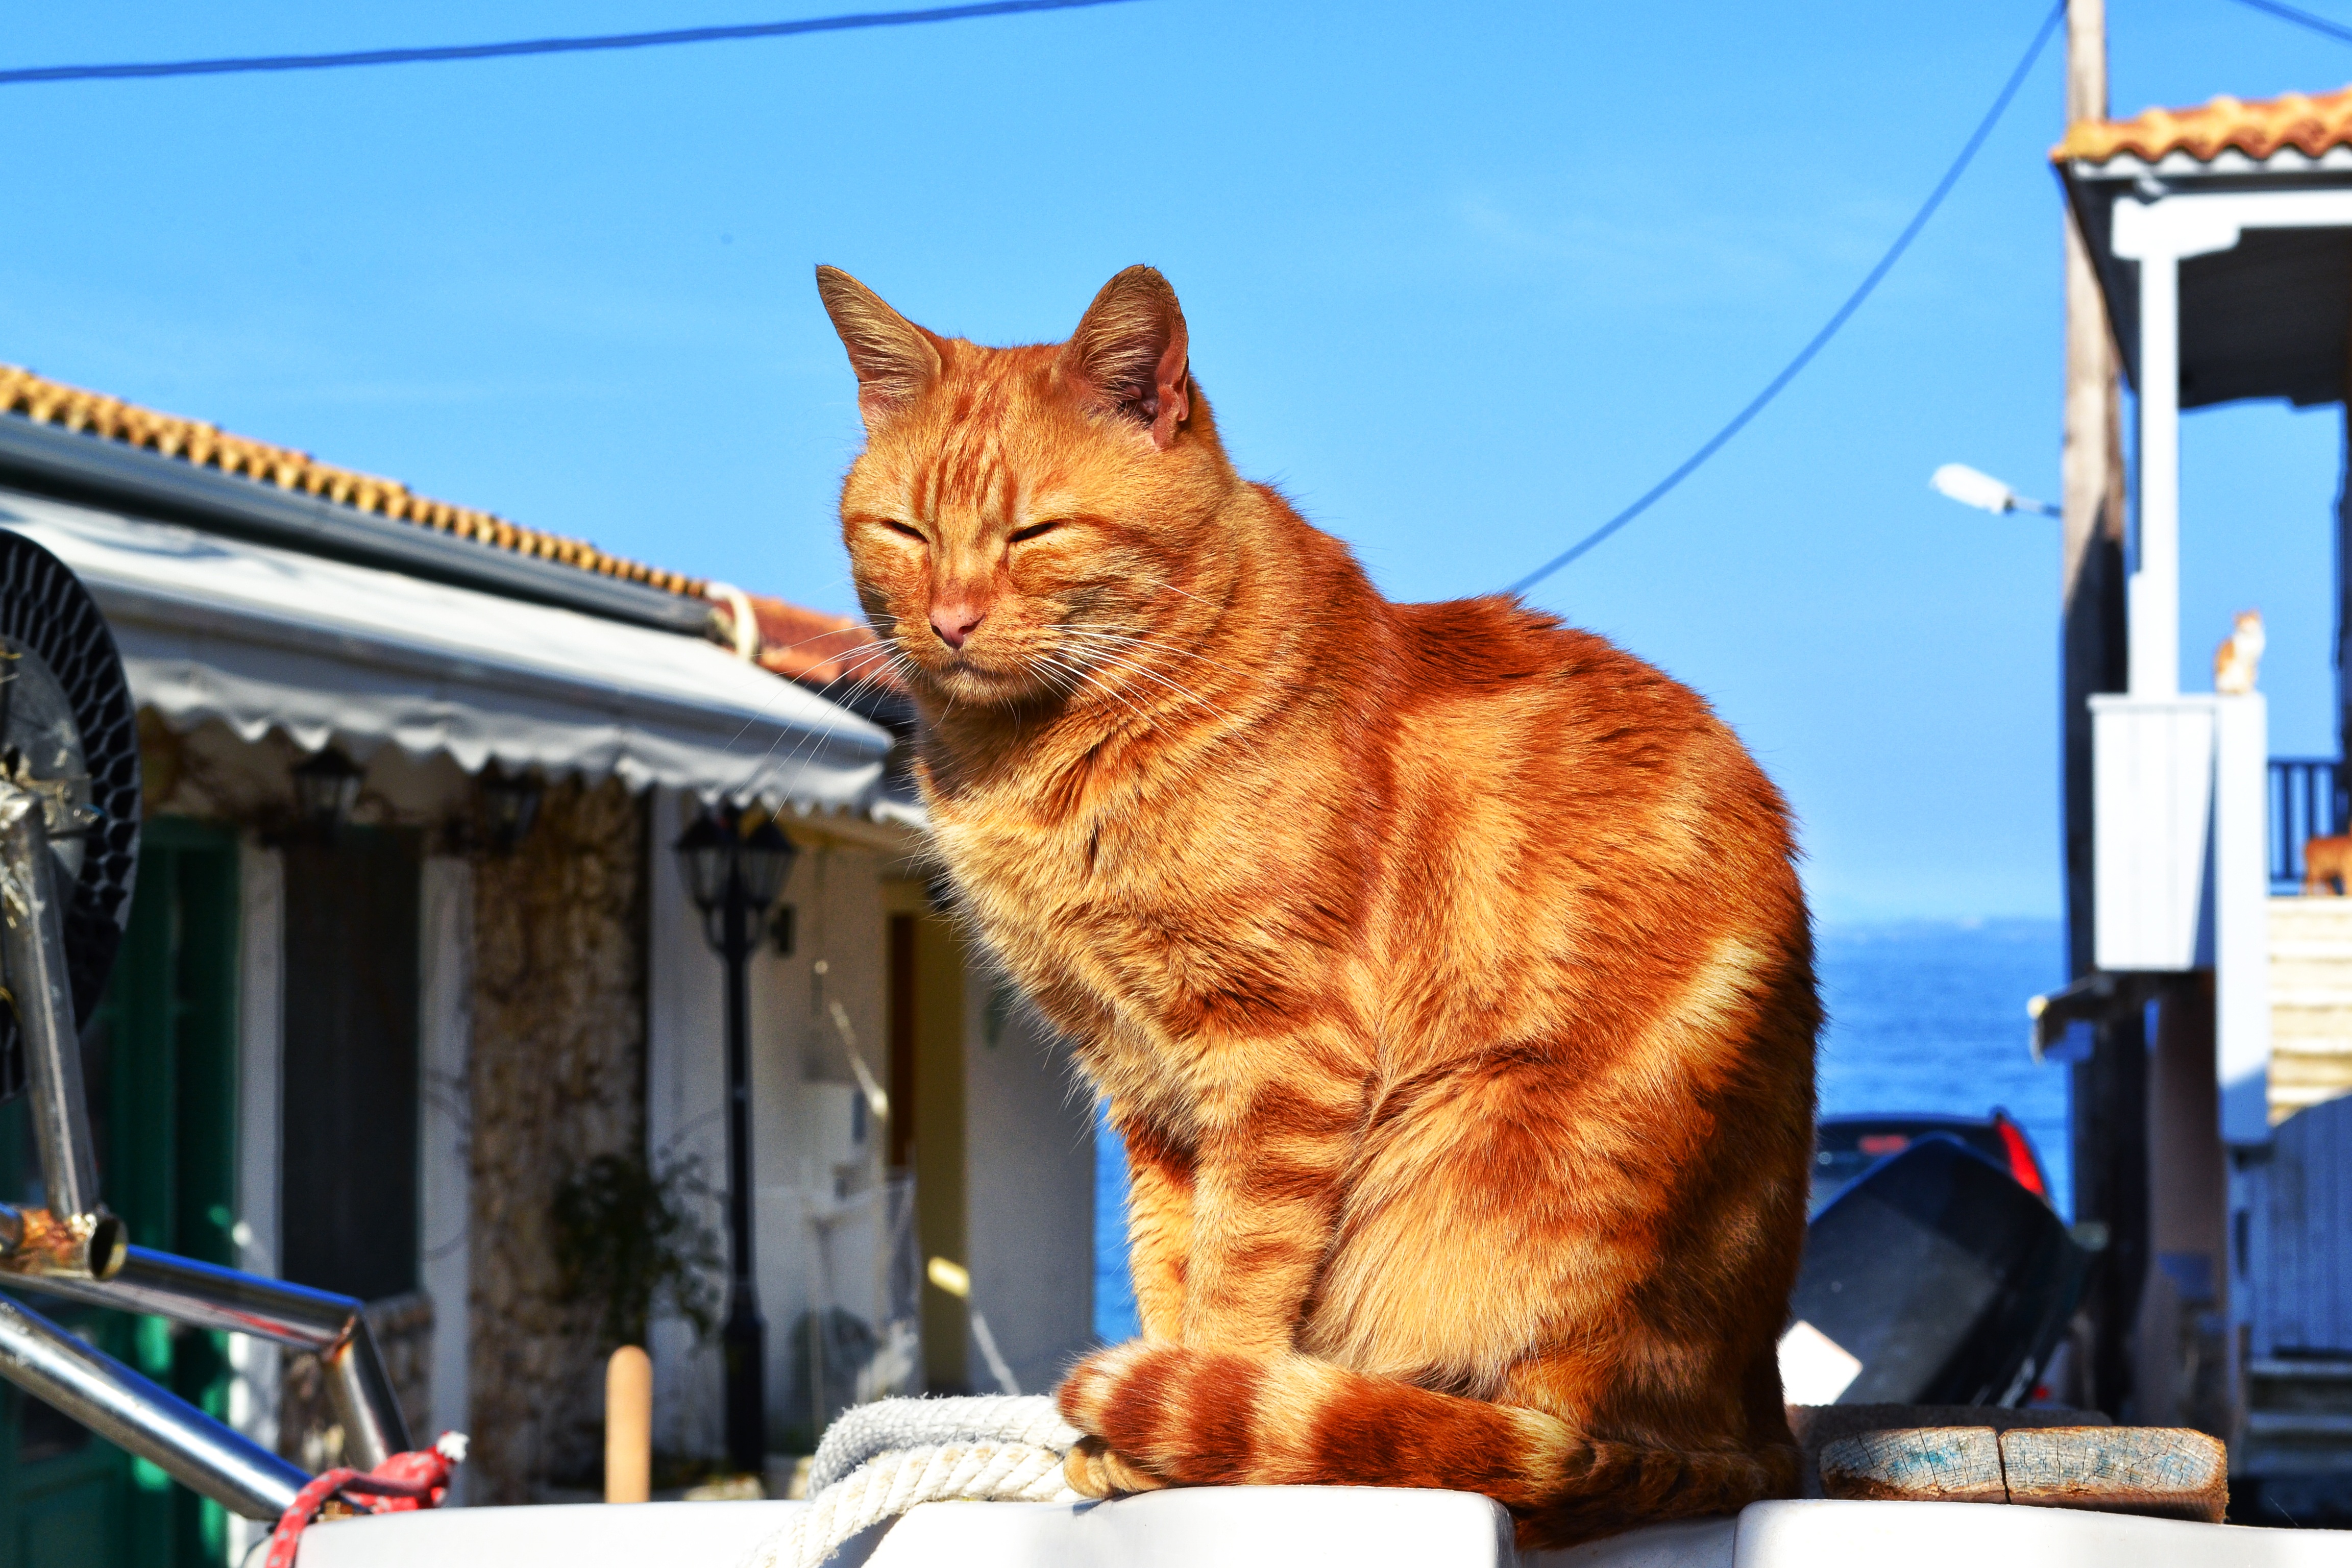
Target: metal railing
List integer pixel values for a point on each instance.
(72, 1247)
(2306, 802)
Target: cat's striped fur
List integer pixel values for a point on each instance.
(1446, 968)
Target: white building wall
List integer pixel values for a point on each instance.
(445, 1196)
(818, 1206)
(1029, 1185)
(253, 1387)
(685, 1114)
(817, 1218)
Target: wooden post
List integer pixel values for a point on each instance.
(2109, 1090)
(2092, 655)
(629, 1426)
(2182, 1373)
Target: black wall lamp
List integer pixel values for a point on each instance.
(326, 787)
(510, 807)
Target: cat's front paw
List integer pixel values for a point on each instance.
(1089, 1398)
(1095, 1471)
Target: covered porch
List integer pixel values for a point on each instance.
(2220, 240)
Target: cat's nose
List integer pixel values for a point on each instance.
(956, 622)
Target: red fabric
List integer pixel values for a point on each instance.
(2020, 1157)
(400, 1485)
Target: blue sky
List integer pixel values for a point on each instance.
(1463, 280)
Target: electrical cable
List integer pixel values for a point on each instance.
(2301, 19)
(1820, 339)
(535, 45)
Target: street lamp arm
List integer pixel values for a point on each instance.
(1958, 481)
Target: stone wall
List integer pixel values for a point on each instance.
(310, 1434)
(557, 1077)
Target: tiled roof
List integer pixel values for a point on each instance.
(207, 446)
(813, 647)
(2311, 125)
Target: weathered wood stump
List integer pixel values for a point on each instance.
(2167, 1472)
(1919, 1463)
(1818, 1425)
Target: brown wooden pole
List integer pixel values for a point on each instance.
(2090, 487)
(628, 1426)
(2109, 1099)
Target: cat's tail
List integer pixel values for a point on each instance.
(1190, 1417)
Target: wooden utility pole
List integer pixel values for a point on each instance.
(2091, 486)
(2109, 1104)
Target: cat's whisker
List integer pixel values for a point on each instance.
(865, 672)
(1141, 717)
(863, 636)
(1100, 656)
(1148, 673)
(1156, 646)
(865, 660)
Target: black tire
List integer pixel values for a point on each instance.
(45, 609)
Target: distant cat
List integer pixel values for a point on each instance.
(1446, 968)
(2239, 658)
(2327, 864)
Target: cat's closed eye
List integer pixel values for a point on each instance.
(1020, 534)
(907, 529)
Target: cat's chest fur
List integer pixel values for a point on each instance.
(1086, 885)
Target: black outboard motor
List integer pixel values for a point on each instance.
(1948, 1280)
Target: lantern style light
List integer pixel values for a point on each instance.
(510, 804)
(702, 853)
(734, 873)
(766, 856)
(712, 851)
(326, 787)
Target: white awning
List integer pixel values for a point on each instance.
(262, 638)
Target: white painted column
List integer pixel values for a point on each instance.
(445, 1165)
(2154, 606)
(685, 1106)
(2159, 234)
(2242, 944)
(254, 1364)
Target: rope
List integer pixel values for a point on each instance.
(881, 1459)
(400, 1484)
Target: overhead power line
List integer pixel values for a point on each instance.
(244, 63)
(1714, 443)
(2301, 19)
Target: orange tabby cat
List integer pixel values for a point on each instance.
(1445, 967)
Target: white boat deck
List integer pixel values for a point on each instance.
(1284, 1527)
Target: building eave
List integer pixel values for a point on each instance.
(87, 468)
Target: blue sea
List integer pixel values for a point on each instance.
(1924, 1016)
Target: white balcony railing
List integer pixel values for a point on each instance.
(2181, 844)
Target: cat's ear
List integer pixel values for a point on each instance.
(895, 359)
(1128, 356)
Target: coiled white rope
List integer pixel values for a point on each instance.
(881, 1459)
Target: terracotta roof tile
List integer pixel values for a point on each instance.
(2312, 125)
(207, 446)
(813, 647)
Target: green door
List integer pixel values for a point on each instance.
(160, 1056)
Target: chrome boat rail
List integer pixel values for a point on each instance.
(77, 1249)
(206, 1296)
(142, 1418)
